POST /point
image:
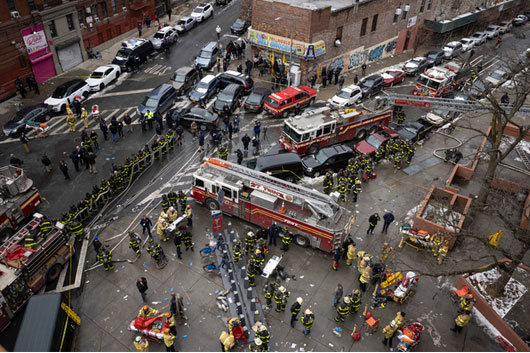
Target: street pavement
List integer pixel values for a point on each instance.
(110, 301)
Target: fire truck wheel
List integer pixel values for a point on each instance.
(311, 102)
(53, 273)
(314, 148)
(5, 234)
(373, 129)
(211, 204)
(361, 134)
(301, 240)
(285, 114)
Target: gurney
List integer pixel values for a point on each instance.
(271, 266)
(152, 328)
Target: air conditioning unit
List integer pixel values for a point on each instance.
(96, 19)
(88, 10)
(15, 14)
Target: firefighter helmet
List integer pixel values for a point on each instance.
(257, 341)
(300, 300)
(347, 300)
(138, 338)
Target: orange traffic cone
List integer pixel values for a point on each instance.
(282, 209)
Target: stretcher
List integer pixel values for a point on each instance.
(415, 238)
(271, 266)
(152, 328)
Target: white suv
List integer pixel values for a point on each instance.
(346, 97)
(202, 12)
(492, 31)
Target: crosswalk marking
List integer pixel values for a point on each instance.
(158, 69)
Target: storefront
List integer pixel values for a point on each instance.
(40, 56)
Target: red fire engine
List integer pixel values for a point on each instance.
(438, 81)
(24, 271)
(18, 199)
(323, 127)
(314, 218)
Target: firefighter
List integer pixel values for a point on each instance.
(189, 215)
(378, 154)
(186, 238)
(388, 333)
(141, 344)
(343, 187)
(341, 176)
(307, 320)
(356, 188)
(350, 254)
(105, 257)
(147, 312)
(436, 242)
(259, 260)
(399, 319)
(461, 321)
(388, 251)
(45, 226)
(467, 302)
(397, 160)
(270, 291)
(135, 242)
(237, 251)
(442, 252)
(295, 309)
(178, 243)
(182, 198)
(169, 340)
(355, 301)
(328, 183)
(449, 154)
(250, 240)
(343, 309)
(265, 337)
(257, 346)
(165, 203)
(170, 321)
(152, 249)
(162, 226)
(286, 239)
(173, 198)
(223, 152)
(76, 229)
(280, 298)
(410, 152)
(172, 214)
(251, 272)
(29, 240)
(364, 278)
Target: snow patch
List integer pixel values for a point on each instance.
(490, 330)
(409, 217)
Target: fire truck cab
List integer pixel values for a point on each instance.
(310, 131)
(314, 218)
(440, 80)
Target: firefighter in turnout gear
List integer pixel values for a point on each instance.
(387, 252)
(343, 309)
(237, 251)
(105, 257)
(29, 240)
(270, 291)
(259, 260)
(45, 227)
(183, 199)
(161, 226)
(135, 243)
(186, 238)
(280, 298)
(257, 346)
(165, 203)
(173, 198)
(251, 272)
(351, 254)
(442, 252)
(436, 242)
(328, 183)
(355, 301)
(265, 337)
(467, 302)
(286, 239)
(189, 215)
(172, 214)
(307, 320)
(76, 229)
(356, 188)
(461, 321)
(295, 309)
(250, 241)
(343, 187)
(153, 249)
(223, 152)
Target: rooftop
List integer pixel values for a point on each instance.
(336, 5)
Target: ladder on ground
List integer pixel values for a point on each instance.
(318, 200)
(18, 236)
(524, 157)
(455, 105)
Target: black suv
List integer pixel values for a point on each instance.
(184, 79)
(332, 158)
(203, 118)
(286, 166)
(254, 102)
(230, 96)
(371, 85)
(205, 89)
(229, 77)
(239, 27)
(434, 57)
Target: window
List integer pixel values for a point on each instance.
(11, 5)
(114, 9)
(429, 5)
(70, 20)
(374, 23)
(227, 192)
(338, 36)
(327, 129)
(104, 9)
(422, 6)
(94, 11)
(31, 4)
(363, 26)
(319, 132)
(199, 183)
(80, 17)
(53, 30)
(396, 16)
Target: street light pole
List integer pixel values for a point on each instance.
(290, 53)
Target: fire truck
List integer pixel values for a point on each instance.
(322, 127)
(18, 199)
(314, 218)
(438, 81)
(24, 271)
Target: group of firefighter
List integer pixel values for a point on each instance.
(362, 167)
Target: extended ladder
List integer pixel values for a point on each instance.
(524, 157)
(18, 236)
(323, 202)
(455, 105)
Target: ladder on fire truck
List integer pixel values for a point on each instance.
(319, 202)
(455, 105)
(20, 235)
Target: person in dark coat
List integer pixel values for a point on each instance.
(246, 141)
(248, 65)
(64, 169)
(77, 107)
(141, 284)
(104, 128)
(387, 219)
(356, 79)
(373, 222)
(75, 156)
(32, 84)
(20, 86)
(324, 76)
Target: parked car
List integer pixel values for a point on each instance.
(202, 12)
(103, 76)
(255, 100)
(205, 89)
(479, 37)
(371, 85)
(332, 158)
(439, 117)
(519, 20)
(207, 57)
(185, 24)
(379, 138)
(414, 131)
(229, 77)
(230, 96)
(28, 115)
(434, 57)
(415, 66)
(505, 27)
(160, 99)
(142, 48)
(239, 27)
(452, 49)
(467, 43)
(184, 79)
(347, 96)
(168, 33)
(286, 166)
(478, 90)
(497, 77)
(492, 31)
(65, 94)
(393, 77)
(203, 118)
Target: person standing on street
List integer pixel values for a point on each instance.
(32, 84)
(246, 141)
(387, 219)
(248, 67)
(295, 309)
(388, 333)
(169, 341)
(20, 86)
(76, 158)
(47, 163)
(120, 128)
(146, 224)
(218, 32)
(324, 77)
(257, 129)
(341, 82)
(114, 132)
(25, 142)
(128, 121)
(141, 284)
(461, 321)
(373, 222)
(104, 128)
(91, 160)
(64, 169)
(363, 68)
(139, 29)
(339, 292)
(307, 320)
(141, 344)
(189, 215)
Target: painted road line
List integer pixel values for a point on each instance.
(124, 93)
(124, 112)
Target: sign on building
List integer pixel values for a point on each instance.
(34, 38)
(412, 21)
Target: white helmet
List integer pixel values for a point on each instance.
(250, 234)
(257, 341)
(300, 300)
(347, 300)
(308, 312)
(410, 274)
(172, 208)
(282, 289)
(262, 327)
(138, 338)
